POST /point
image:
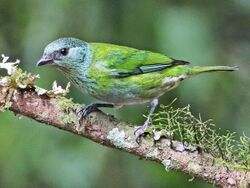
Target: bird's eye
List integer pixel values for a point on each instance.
(64, 51)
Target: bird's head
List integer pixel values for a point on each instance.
(64, 53)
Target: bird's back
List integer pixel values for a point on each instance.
(115, 71)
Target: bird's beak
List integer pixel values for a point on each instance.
(45, 61)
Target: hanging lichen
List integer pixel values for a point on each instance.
(180, 124)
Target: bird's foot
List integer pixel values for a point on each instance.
(139, 131)
(84, 112)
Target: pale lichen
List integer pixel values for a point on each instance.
(6, 100)
(40, 91)
(167, 163)
(157, 134)
(153, 153)
(118, 138)
(11, 67)
(16, 79)
(195, 168)
(4, 81)
(57, 90)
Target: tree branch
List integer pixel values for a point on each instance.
(106, 130)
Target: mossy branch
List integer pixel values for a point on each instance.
(177, 139)
(179, 124)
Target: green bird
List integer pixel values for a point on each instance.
(119, 75)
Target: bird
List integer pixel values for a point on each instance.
(119, 75)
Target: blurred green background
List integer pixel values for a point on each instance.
(207, 32)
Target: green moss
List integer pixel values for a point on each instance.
(21, 79)
(68, 119)
(66, 104)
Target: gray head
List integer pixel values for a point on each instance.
(64, 53)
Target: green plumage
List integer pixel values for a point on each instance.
(120, 75)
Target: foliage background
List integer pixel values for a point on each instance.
(207, 32)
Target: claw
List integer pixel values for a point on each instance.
(84, 112)
(139, 131)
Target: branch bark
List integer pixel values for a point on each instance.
(106, 130)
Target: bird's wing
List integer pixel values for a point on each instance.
(124, 61)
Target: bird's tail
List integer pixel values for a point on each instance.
(194, 70)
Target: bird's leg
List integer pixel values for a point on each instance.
(140, 130)
(84, 112)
